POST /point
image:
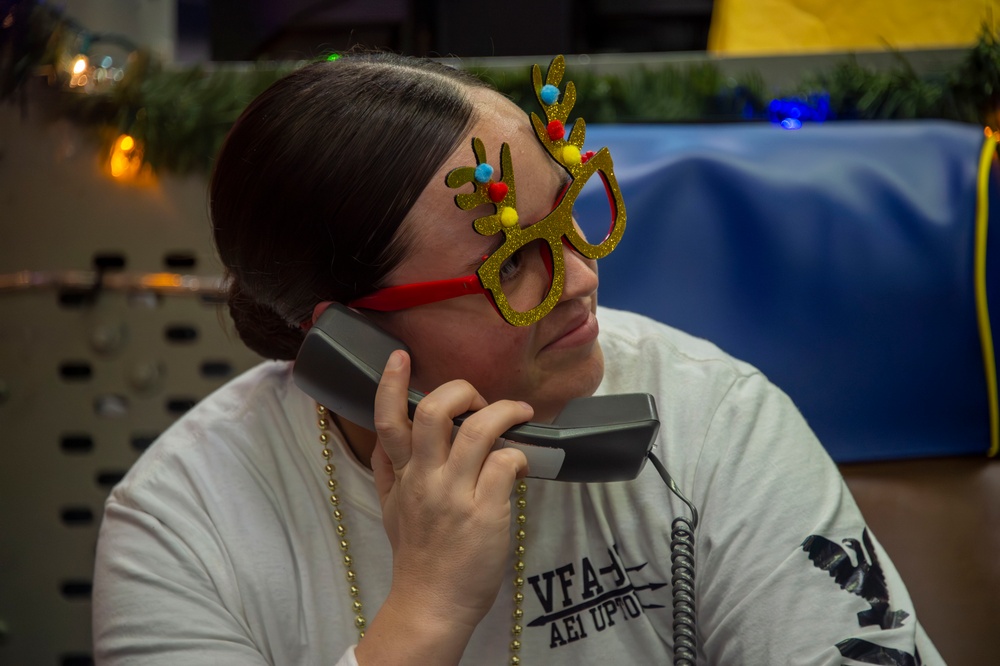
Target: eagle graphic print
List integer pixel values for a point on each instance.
(863, 577)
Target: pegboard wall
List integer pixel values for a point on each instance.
(96, 359)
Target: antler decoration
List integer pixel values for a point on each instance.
(556, 228)
(553, 133)
(501, 194)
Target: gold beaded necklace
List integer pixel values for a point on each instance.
(359, 619)
(338, 514)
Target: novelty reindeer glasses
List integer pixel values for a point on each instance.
(519, 294)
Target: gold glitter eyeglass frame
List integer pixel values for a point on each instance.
(557, 228)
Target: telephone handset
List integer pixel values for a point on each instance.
(599, 438)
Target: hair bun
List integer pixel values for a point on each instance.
(261, 328)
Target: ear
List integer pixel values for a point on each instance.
(320, 309)
(317, 311)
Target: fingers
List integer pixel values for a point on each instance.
(475, 439)
(427, 444)
(392, 422)
(433, 425)
(500, 470)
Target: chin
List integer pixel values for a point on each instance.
(581, 383)
(591, 371)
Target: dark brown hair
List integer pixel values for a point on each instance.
(315, 178)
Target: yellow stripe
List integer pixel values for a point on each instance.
(982, 308)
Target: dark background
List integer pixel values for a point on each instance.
(223, 30)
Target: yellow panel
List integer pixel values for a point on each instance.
(742, 27)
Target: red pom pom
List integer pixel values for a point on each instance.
(497, 192)
(556, 130)
(586, 156)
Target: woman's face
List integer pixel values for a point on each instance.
(545, 364)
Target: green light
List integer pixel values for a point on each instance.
(332, 57)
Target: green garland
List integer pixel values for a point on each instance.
(670, 94)
(182, 115)
(970, 93)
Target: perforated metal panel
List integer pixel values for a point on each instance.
(88, 376)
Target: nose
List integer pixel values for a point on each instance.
(581, 274)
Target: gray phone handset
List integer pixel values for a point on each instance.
(598, 438)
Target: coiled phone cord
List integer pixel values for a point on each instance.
(682, 574)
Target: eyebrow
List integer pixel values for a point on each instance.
(497, 241)
(564, 183)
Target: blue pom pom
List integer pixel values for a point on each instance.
(483, 173)
(550, 94)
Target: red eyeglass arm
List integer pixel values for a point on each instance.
(420, 293)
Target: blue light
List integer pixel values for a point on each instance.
(791, 112)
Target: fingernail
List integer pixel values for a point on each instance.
(524, 404)
(395, 361)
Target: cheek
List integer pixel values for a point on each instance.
(491, 356)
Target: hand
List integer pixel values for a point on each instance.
(445, 500)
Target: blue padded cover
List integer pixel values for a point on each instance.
(837, 258)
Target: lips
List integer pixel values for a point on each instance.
(580, 328)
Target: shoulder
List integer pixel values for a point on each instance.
(249, 406)
(641, 350)
(708, 402)
(230, 432)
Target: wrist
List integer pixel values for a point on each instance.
(411, 629)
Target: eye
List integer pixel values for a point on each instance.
(512, 266)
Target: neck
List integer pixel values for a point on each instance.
(361, 440)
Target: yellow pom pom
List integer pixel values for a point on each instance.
(508, 216)
(570, 155)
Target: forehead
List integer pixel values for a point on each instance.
(497, 121)
(442, 233)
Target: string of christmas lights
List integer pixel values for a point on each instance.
(151, 117)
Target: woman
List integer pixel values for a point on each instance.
(263, 529)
